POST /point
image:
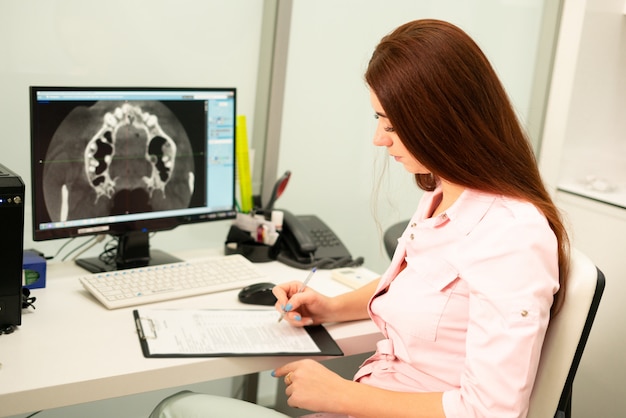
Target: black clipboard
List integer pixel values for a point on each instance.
(148, 333)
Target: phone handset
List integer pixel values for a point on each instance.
(299, 233)
(306, 241)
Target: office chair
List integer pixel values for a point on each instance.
(566, 339)
(566, 336)
(391, 235)
(215, 406)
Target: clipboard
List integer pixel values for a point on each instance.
(167, 333)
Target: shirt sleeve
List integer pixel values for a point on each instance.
(511, 291)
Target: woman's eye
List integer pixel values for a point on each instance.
(386, 128)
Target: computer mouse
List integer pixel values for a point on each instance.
(258, 294)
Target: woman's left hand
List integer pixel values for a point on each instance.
(311, 386)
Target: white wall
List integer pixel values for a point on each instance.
(594, 159)
(586, 134)
(327, 120)
(177, 43)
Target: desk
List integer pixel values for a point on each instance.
(71, 349)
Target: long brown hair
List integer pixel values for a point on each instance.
(447, 105)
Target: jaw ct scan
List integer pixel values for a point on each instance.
(116, 158)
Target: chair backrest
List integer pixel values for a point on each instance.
(566, 338)
(390, 238)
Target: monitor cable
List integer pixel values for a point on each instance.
(89, 244)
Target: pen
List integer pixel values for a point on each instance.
(304, 283)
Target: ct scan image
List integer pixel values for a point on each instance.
(116, 157)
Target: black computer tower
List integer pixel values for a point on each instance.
(11, 246)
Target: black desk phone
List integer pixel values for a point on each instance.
(306, 242)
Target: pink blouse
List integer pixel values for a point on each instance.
(468, 314)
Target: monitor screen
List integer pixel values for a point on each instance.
(128, 162)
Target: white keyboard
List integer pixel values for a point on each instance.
(123, 288)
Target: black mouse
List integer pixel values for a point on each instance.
(258, 294)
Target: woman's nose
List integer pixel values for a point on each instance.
(382, 138)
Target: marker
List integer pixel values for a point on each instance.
(304, 283)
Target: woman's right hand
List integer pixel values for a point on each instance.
(308, 307)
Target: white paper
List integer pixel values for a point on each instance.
(222, 331)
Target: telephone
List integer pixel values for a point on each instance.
(307, 242)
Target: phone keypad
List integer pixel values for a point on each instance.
(324, 238)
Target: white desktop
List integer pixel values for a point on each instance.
(71, 349)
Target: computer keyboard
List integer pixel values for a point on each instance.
(123, 288)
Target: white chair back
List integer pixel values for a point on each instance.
(566, 338)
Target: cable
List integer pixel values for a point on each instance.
(110, 250)
(78, 247)
(61, 249)
(90, 242)
(7, 329)
(93, 241)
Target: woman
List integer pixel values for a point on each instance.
(481, 266)
(466, 301)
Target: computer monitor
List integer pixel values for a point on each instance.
(128, 162)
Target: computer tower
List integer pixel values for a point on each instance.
(11, 246)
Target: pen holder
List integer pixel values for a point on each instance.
(241, 242)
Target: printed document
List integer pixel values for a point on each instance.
(188, 332)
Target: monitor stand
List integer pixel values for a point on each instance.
(133, 251)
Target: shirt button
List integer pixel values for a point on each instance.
(413, 225)
(412, 236)
(524, 313)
